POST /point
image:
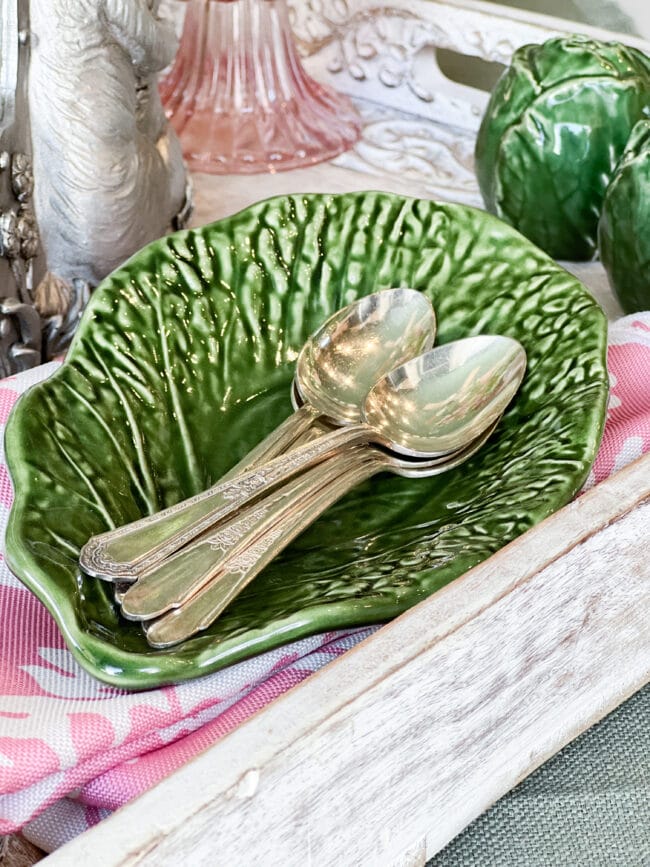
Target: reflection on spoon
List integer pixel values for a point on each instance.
(433, 407)
(343, 359)
(336, 368)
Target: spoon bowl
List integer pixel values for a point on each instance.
(443, 400)
(359, 345)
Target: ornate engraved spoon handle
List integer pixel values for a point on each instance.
(124, 554)
(178, 578)
(318, 429)
(228, 580)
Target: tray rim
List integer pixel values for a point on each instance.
(281, 747)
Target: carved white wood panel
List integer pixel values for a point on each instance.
(386, 51)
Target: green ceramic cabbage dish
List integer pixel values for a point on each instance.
(556, 124)
(183, 361)
(624, 228)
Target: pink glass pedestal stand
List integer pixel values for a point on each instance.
(239, 98)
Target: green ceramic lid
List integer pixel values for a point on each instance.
(624, 229)
(555, 126)
(184, 360)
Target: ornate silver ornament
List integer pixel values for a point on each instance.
(89, 168)
(108, 170)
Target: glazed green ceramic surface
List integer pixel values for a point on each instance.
(624, 229)
(555, 126)
(183, 361)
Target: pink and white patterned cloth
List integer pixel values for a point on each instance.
(72, 749)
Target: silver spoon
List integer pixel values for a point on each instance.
(344, 358)
(337, 367)
(202, 609)
(259, 534)
(175, 581)
(433, 407)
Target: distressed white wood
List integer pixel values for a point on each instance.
(386, 52)
(391, 750)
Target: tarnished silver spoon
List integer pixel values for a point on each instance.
(436, 407)
(335, 370)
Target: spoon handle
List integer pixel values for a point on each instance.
(181, 576)
(301, 427)
(226, 579)
(126, 553)
(298, 504)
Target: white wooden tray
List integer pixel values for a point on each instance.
(386, 754)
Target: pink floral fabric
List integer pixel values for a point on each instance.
(72, 749)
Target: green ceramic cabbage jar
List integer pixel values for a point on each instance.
(624, 229)
(554, 129)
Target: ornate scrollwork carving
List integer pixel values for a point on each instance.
(19, 245)
(383, 42)
(27, 233)
(361, 36)
(434, 158)
(9, 238)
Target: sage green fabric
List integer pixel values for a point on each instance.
(589, 806)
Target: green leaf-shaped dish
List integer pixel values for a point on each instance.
(183, 361)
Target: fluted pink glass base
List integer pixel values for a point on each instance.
(239, 98)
